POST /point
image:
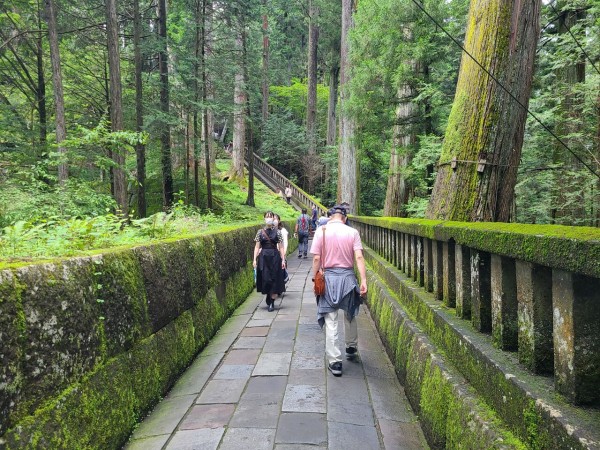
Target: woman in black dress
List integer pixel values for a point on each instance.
(269, 259)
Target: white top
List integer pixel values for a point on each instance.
(285, 234)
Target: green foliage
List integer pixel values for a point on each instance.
(73, 232)
(389, 39)
(553, 186)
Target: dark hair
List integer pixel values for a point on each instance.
(338, 209)
(303, 210)
(269, 214)
(276, 216)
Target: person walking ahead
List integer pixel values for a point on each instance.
(335, 247)
(269, 260)
(302, 230)
(288, 193)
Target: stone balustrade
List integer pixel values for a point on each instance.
(534, 288)
(298, 195)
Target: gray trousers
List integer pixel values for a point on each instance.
(302, 243)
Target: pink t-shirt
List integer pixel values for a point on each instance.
(340, 243)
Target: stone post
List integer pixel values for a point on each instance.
(420, 261)
(413, 257)
(481, 303)
(449, 274)
(463, 281)
(576, 326)
(427, 265)
(534, 297)
(504, 303)
(438, 269)
(407, 266)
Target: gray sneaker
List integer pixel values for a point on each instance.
(336, 368)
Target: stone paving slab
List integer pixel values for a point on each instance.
(242, 356)
(273, 364)
(202, 439)
(250, 342)
(194, 379)
(348, 401)
(248, 438)
(234, 372)
(402, 435)
(165, 417)
(262, 383)
(302, 428)
(344, 436)
(207, 416)
(305, 398)
(222, 391)
(255, 331)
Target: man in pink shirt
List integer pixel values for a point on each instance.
(335, 247)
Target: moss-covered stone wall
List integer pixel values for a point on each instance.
(574, 249)
(89, 344)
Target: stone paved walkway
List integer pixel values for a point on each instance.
(262, 383)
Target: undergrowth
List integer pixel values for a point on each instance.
(55, 235)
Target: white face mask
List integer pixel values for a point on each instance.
(269, 221)
(275, 222)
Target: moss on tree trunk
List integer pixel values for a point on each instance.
(486, 126)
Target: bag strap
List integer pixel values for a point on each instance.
(268, 237)
(323, 251)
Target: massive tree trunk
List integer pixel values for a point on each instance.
(116, 103)
(207, 136)
(265, 66)
(210, 93)
(165, 132)
(59, 98)
(196, 125)
(570, 187)
(312, 167)
(239, 113)
(482, 146)
(140, 148)
(403, 141)
(347, 190)
(334, 74)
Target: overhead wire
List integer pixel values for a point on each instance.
(586, 165)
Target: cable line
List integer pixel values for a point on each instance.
(422, 8)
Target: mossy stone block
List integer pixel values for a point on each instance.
(62, 326)
(12, 333)
(122, 300)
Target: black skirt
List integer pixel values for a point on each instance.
(269, 274)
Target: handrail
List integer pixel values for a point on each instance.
(535, 288)
(299, 196)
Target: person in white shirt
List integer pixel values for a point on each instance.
(284, 233)
(288, 193)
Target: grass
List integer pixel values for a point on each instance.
(27, 241)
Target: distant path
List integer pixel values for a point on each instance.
(262, 383)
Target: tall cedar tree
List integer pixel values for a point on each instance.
(165, 133)
(347, 155)
(116, 103)
(312, 168)
(140, 148)
(240, 98)
(59, 97)
(485, 129)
